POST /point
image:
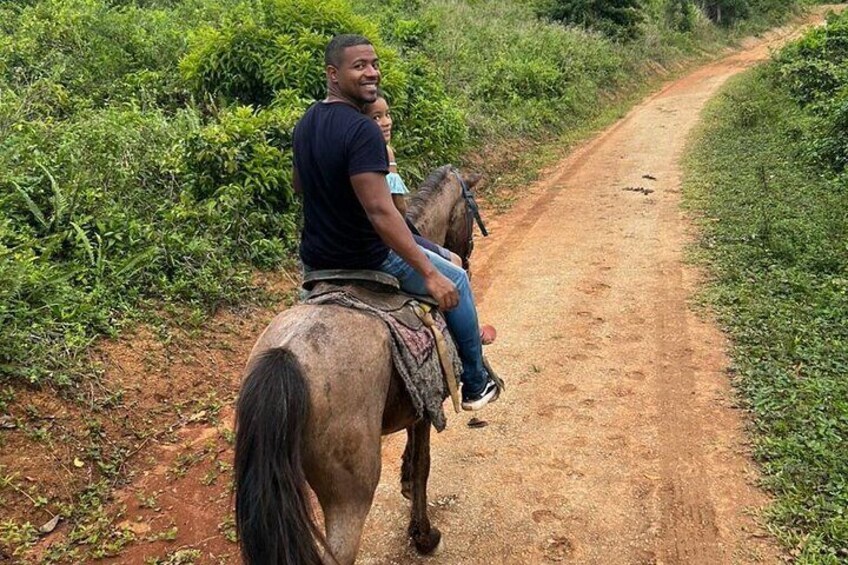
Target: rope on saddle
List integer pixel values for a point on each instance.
(423, 311)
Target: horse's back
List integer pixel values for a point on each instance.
(335, 346)
(345, 356)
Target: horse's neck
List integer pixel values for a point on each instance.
(434, 220)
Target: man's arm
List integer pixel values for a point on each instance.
(373, 193)
(298, 189)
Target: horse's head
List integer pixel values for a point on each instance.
(460, 234)
(444, 210)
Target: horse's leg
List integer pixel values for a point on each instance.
(345, 481)
(406, 465)
(426, 538)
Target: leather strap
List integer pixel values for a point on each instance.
(423, 311)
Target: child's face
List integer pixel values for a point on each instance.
(379, 112)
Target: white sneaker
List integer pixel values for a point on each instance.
(489, 394)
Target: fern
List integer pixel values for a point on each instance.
(57, 200)
(86, 243)
(32, 206)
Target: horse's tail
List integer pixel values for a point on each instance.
(274, 518)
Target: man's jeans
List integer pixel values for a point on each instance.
(462, 320)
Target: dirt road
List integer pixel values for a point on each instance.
(617, 441)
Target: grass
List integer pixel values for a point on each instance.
(773, 227)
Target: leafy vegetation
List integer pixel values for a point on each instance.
(618, 19)
(145, 156)
(145, 144)
(814, 71)
(768, 176)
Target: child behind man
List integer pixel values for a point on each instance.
(379, 112)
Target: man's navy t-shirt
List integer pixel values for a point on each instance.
(333, 142)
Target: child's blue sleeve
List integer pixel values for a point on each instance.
(396, 184)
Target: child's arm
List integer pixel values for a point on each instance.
(398, 199)
(400, 203)
(392, 162)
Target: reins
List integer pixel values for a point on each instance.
(472, 215)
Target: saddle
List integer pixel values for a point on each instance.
(374, 288)
(423, 351)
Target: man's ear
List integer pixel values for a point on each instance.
(332, 74)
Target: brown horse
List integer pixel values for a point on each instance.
(320, 391)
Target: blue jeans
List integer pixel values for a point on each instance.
(430, 246)
(462, 320)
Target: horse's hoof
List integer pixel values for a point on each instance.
(439, 547)
(406, 489)
(428, 544)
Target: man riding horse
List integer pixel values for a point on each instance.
(350, 221)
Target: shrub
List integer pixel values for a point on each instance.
(430, 124)
(95, 215)
(240, 171)
(513, 74)
(278, 46)
(94, 53)
(814, 71)
(276, 54)
(115, 188)
(619, 19)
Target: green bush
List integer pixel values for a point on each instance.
(814, 71)
(277, 46)
(274, 58)
(619, 19)
(138, 163)
(93, 53)
(240, 170)
(430, 125)
(531, 78)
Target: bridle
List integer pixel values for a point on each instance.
(472, 215)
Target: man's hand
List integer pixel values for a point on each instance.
(443, 290)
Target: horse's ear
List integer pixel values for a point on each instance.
(471, 179)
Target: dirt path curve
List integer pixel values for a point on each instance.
(617, 440)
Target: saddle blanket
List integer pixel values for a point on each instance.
(413, 346)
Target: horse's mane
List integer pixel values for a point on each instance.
(429, 189)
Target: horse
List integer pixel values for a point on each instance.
(319, 392)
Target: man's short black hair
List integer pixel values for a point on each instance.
(335, 49)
